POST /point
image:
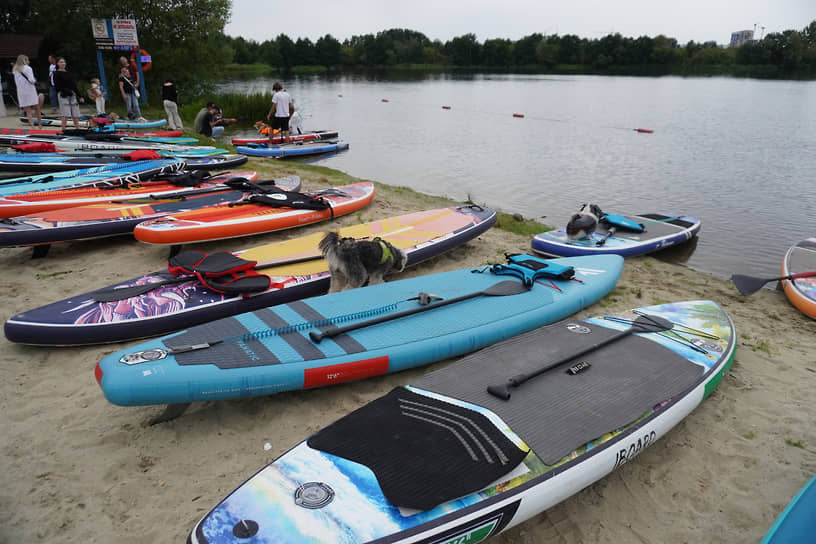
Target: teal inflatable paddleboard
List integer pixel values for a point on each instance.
(354, 334)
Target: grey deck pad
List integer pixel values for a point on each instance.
(423, 451)
(556, 412)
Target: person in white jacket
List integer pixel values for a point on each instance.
(27, 95)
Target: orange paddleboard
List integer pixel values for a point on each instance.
(228, 221)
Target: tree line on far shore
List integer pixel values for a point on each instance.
(186, 41)
(791, 53)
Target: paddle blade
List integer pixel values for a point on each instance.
(748, 284)
(504, 288)
(651, 323)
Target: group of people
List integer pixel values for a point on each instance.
(64, 92)
(65, 98)
(211, 122)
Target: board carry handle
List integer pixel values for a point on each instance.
(643, 323)
(747, 285)
(123, 293)
(500, 289)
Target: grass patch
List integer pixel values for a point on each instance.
(762, 345)
(751, 435)
(795, 443)
(518, 225)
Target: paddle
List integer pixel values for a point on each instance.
(122, 293)
(747, 284)
(609, 233)
(500, 289)
(643, 323)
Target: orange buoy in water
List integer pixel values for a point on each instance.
(384, 100)
(445, 107)
(644, 130)
(518, 115)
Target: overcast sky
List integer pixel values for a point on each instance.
(698, 20)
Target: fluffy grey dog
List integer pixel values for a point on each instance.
(583, 223)
(355, 263)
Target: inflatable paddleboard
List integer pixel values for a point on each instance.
(660, 231)
(292, 150)
(443, 460)
(58, 162)
(275, 349)
(797, 523)
(117, 189)
(83, 319)
(83, 123)
(253, 217)
(80, 132)
(110, 173)
(111, 218)
(72, 143)
(305, 137)
(801, 292)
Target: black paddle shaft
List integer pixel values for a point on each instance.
(644, 323)
(500, 289)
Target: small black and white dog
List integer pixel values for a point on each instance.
(355, 263)
(583, 223)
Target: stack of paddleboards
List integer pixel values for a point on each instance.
(110, 142)
(57, 162)
(627, 235)
(84, 122)
(165, 301)
(90, 212)
(477, 447)
(109, 175)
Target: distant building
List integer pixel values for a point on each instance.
(741, 37)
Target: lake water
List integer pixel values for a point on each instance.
(737, 153)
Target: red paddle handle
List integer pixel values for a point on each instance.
(803, 275)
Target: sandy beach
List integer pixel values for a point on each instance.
(77, 469)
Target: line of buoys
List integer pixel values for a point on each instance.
(644, 130)
(518, 115)
(445, 107)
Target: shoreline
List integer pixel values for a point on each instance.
(78, 469)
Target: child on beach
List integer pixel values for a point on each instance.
(97, 95)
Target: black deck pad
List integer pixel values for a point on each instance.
(423, 451)
(556, 412)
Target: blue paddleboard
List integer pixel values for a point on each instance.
(277, 349)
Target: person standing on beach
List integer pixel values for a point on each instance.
(280, 107)
(27, 96)
(96, 94)
(67, 94)
(130, 95)
(170, 103)
(52, 91)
